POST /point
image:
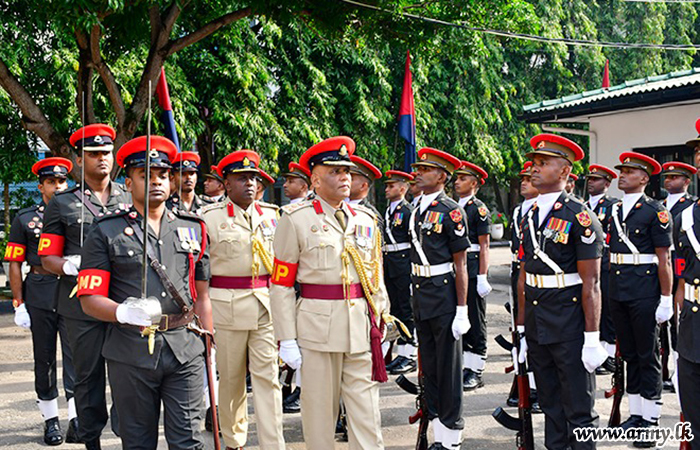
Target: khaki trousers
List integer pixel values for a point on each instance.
(260, 349)
(330, 377)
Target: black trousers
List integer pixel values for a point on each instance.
(607, 326)
(86, 338)
(138, 394)
(398, 289)
(638, 337)
(441, 361)
(47, 326)
(474, 340)
(514, 275)
(689, 393)
(565, 390)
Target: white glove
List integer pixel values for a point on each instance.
(665, 309)
(72, 265)
(514, 357)
(133, 315)
(290, 353)
(460, 324)
(522, 356)
(593, 354)
(22, 317)
(483, 288)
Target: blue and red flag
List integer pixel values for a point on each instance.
(167, 116)
(407, 117)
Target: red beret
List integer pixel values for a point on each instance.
(437, 158)
(186, 161)
(239, 161)
(133, 153)
(555, 145)
(474, 170)
(96, 137)
(365, 168)
(396, 175)
(52, 167)
(639, 161)
(334, 151)
(597, 170)
(679, 168)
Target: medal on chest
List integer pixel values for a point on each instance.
(363, 236)
(433, 221)
(188, 239)
(398, 219)
(601, 213)
(267, 227)
(557, 230)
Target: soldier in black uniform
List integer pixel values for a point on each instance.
(600, 203)
(170, 369)
(363, 175)
(69, 217)
(184, 178)
(214, 189)
(414, 190)
(397, 266)
(467, 180)
(559, 295)
(439, 278)
(35, 302)
(640, 285)
(571, 184)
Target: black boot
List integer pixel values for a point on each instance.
(52, 432)
(72, 433)
(405, 366)
(93, 445)
(633, 421)
(471, 380)
(643, 423)
(394, 362)
(292, 403)
(208, 424)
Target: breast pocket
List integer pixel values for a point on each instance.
(321, 252)
(183, 260)
(314, 320)
(231, 241)
(127, 258)
(74, 219)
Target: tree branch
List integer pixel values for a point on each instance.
(33, 118)
(207, 30)
(85, 73)
(107, 76)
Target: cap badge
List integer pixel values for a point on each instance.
(153, 153)
(186, 164)
(626, 160)
(541, 144)
(56, 169)
(594, 170)
(343, 150)
(98, 139)
(246, 162)
(671, 167)
(424, 157)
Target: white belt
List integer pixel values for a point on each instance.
(396, 247)
(514, 258)
(633, 258)
(431, 271)
(474, 248)
(692, 293)
(559, 281)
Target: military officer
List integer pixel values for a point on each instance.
(68, 219)
(640, 285)
(35, 302)
(600, 203)
(467, 180)
(333, 250)
(241, 230)
(571, 183)
(686, 233)
(214, 189)
(184, 177)
(397, 266)
(363, 175)
(559, 295)
(153, 347)
(296, 183)
(264, 182)
(414, 190)
(440, 240)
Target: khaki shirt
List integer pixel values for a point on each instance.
(231, 255)
(309, 235)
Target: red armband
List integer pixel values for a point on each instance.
(93, 282)
(521, 253)
(15, 252)
(679, 266)
(284, 274)
(51, 245)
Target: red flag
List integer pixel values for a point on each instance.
(606, 75)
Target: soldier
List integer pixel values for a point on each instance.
(214, 189)
(571, 183)
(468, 178)
(439, 279)
(168, 366)
(35, 302)
(559, 295)
(640, 286)
(397, 266)
(264, 182)
(414, 190)
(334, 251)
(184, 177)
(241, 230)
(69, 217)
(296, 183)
(363, 175)
(686, 235)
(600, 203)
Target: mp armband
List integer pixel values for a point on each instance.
(93, 282)
(15, 252)
(284, 273)
(51, 245)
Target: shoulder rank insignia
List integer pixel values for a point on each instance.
(456, 215)
(557, 206)
(682, 199)
(584, 219)
(482, 210)
(663, 216)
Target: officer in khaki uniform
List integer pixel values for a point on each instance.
(240, 232)
(333, 251)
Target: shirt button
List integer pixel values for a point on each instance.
(534, 302)
(636, 231)
(130, 253)
(444, 281)
(648, 272)
(535, 257)
(418, 286)
(160, 242)
(696, 281)
(617, 272)
(574, 299)
(163, 294)
(695, 309)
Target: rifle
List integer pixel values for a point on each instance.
(665, 329)
(421, 414)
(525, 439)
(208, 341)
(617, 391)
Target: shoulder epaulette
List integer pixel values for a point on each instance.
(657, 205)
(268, 205)
(212, 206)
(364, 209)
(112, 214)
(29, 209)
(449, 202)
(70, 190)
(574, 203)
(187, 215)
(293, 207)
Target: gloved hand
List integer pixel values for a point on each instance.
(483, 288)
(460, 324)
(522, 355)
(665, 309)
(290, 353)
(133, 315)
(22, 317)
(72, 265)
(593, 354)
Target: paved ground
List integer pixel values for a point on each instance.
(21, 425)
